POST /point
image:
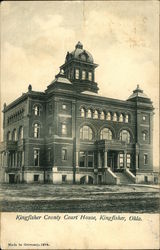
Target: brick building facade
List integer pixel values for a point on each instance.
(71, 134)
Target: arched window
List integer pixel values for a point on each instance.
(37, 110)
(86, 133)
(106, 134)
(108, 117)
(121, 118)
(14, 135)
(82, 112)
(126, 119)
(102, 116)
(125, 136)
(9, 136)
(21, 133)
(144, 135)
(89, 113)
(95, 115)
(36, 130)
(114, 117)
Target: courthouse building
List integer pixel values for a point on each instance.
(71, 134)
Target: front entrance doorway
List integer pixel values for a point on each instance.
(11, 178)
(112, 160)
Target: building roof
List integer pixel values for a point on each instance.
(138, 93)
(60, 77)
(80, 54)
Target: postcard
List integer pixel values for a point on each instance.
(79, 152)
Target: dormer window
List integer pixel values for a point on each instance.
(90, 76)
(83, 74)
(77, 74)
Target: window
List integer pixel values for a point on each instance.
(90, 76)
(14, 135)
(49, 154)
(36, 177)
(86, 133)
(146, 178)
(121, 160)
(102, 116)
(144, 135)
(121, 118)
(64, 129)
(49, 130)
(64, 154)
(64, 178)
(37, 110)
(108, 117)
(90, 159)
(83, 74)
(64, 106)
(89, 114)
(82, 159)
(21, 133)
(9, 136)
(144, 118)
(145, 159)
(36, 130)
(126, 119)
(50, 107)
(95, 115)
(106, 134)
(36, 157)
(82, 112)
(77, 74)
(125, 136)
(114, 117)
(128, 160)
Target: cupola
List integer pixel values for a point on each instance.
(79, 68)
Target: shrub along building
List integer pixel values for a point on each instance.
(71, 134)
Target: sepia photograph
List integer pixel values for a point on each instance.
(79, 109)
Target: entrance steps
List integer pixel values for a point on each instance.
(124, 179)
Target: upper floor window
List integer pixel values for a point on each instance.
(102, 116)
(126, 119)
(89, 114)
(108, 117)
(144, 135)
(86, 133)
(121, 118)
(36, 130)
(64, 154)
(90, 76)
(21, 133)
(36, 157)
(9, 138)
(125, 136)
(95, 115)
(145, 159)
(37, 110)
(77, 74)
(49, 130)
(14, 135)
(144, 118)
(106, 134)
(64, 106)
(114, 117)
(64, 129)
(82, 112)
(83, 74)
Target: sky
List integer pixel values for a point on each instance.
(122, 36)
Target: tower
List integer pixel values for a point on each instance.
(79, 68)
